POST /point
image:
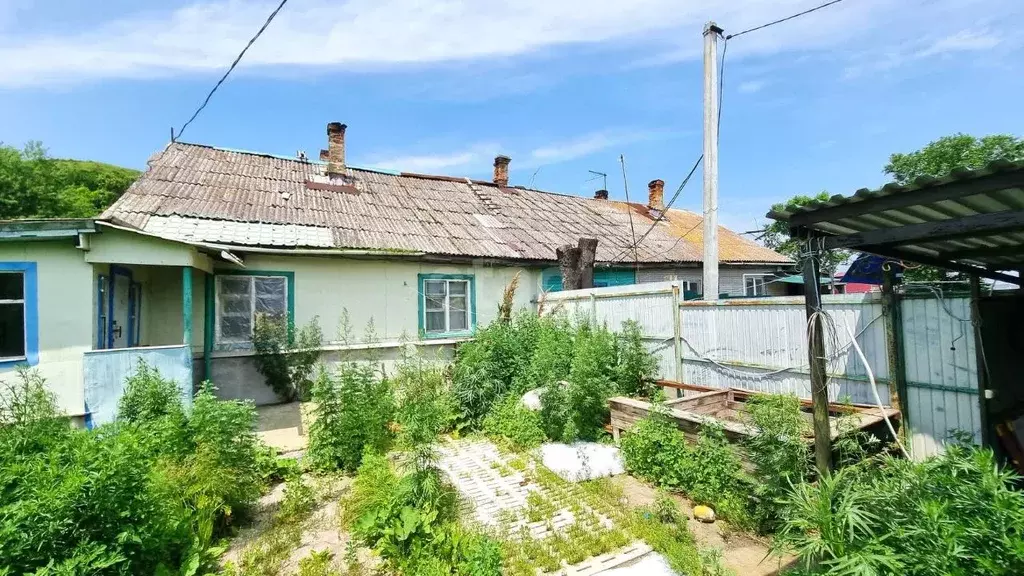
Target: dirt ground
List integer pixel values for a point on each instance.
(744, 554)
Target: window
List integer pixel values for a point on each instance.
(19, 317)
(12, 315)
(753, 284)
(446, 305)
(240, 298)
(691, 286)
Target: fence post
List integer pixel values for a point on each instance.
(593, 309)
(677, 331)
(894, 342)
(979, 359)
(816, 357)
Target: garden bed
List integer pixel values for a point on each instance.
(727, 408)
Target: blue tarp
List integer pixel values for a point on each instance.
(867, 269)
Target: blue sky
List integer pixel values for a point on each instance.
(561, 86)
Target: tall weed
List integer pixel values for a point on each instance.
(353, 408)
(636, 368)
(778, 452)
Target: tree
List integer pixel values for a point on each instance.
(938, 159)
(949, 153)
(776, 236)
(33, 185)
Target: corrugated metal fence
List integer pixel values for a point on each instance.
(761, 344)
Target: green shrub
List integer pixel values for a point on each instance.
(590, 383)
(425, 404)
(122, 499)
(636, 368)
(286, 358)
(515, 424)
(952, 514)
(709, 471)
(778, 452)
(353, 409)
(552, 356)
(148, 396)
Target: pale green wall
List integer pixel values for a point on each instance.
(66, 311)
(114, 246)
(385, 290)
(161, 308)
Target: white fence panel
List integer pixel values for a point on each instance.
(941, 372)
(760, 344)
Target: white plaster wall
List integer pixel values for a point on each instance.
(66, 312)
(384, 290)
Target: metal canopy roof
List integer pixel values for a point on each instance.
(970, 220)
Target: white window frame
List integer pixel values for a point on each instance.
(24, 317)
(755, 278)
(219, 307)
(447, 306)
(691, 286)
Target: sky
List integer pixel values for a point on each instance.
(560, 86)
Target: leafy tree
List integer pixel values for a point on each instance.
(33, 185)
(949, 153)
(776, 236)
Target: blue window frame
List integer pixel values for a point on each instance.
(19, 314)
(447, 305)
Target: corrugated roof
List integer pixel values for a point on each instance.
(201, 193)
(996, 189)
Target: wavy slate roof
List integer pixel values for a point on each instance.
(204, 194)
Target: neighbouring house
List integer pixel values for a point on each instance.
(175, 270)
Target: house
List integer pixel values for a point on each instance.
(176, 269)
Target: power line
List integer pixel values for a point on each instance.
(781, 20)
(629, 210)
(230, 69)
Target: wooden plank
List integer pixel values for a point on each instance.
(701, 399)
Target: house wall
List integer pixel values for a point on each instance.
(386, 291)
(730, 278)
(66, 306)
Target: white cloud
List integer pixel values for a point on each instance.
(962, 41)
(587, 144)
(916, 51)
(751, 86)
(362, 34)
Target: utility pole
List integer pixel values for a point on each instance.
(711, 33)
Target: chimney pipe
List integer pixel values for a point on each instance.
(335, 148)
(601, 195)
(656, 195)
(501, 170)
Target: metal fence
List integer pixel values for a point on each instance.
(760, 344)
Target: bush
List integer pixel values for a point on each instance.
(353, 409)
(425, 404)
(778, 453)
(590, 383)
(709, 472)
(952, 514)
(636, 368)
(495, 363)
(515, 424)
(144, 495)
(286, 359)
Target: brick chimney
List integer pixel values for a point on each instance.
(656, 195)
(501, 170)
(601, 195)
(335, 148)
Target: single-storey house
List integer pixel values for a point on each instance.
(175, 270)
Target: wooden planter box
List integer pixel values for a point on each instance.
(727, 408)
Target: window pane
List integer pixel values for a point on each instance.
(239, 285)
(434, 287)
(459, 287)
(271, 296)
(434, 303)
(236, 328)
(435, 321)
(12, 286)
(457, 303)
(459, 320)
(234, 305)
(12, 330)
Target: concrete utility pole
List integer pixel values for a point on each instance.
(711, 33)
